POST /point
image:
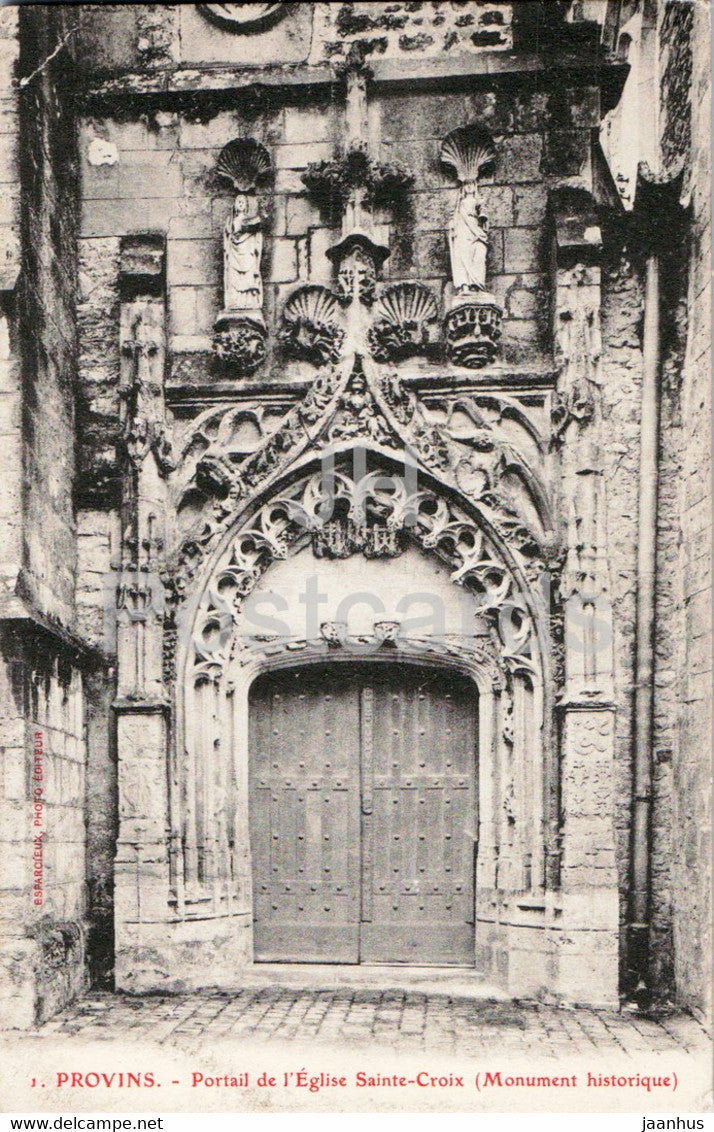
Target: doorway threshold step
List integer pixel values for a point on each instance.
(456, 982)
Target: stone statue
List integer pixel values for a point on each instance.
(468, 241)
(242, 253)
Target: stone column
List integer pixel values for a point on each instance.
(585, 935)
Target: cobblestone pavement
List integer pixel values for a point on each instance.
(358, 1018)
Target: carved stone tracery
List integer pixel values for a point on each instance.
(376, 516)
(380, 410)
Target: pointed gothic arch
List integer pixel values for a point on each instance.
(372, 515)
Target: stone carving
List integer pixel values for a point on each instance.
(387, 631)
(468, 151)
(356, 414)
(334, 632)
(242, 17)
(312, 330)
(459, 440)
(468, 241)
(242, 341)
(350, 187)
(139, 595)
(341, 538)
(353, 183)
(472, 330)
(240, 332)
(144, 423)
(471, 655)
(358, 259)
(473, 325)
(402, 317)
(374, 517)
(242, 253)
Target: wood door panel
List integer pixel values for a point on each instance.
(423, 821)
(304, 818)
(362, 816)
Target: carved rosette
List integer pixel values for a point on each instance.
(472, 330)
(312, 329)
(402, 318)
(241, 340)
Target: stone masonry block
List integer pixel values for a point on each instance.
(283, 267)
(301, 155)
(522, 249)
(192, 262)
(309, 124)
(300, 215)
(520, 158)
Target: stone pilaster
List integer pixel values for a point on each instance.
(585, 936)
(141, 872)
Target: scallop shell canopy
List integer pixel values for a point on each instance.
(407, 303)
(243, 162)
(469, 151)
(312, 304)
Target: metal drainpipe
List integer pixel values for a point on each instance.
(644, 656)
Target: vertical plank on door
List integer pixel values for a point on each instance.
(423, 749)
(304, 817)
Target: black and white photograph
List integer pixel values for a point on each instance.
(355, 559)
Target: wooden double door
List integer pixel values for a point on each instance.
(363, 815)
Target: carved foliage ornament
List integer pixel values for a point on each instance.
(341, 516)
(338, 408)
(331, 183)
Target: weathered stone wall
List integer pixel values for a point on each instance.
(49, 202)
(684, 714)
(43, 923)
(165, 103)
(621, 391)
(10, 377)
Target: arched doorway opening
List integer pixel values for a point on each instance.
(363, 814)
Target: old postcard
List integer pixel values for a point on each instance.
(355, 585)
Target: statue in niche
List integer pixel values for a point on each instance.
(240, 335)
(472, 326)
(468, 241)
(242, 254)
(468, 151)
